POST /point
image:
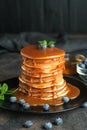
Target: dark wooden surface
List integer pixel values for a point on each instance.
(78, 16)
(73, 120)
(33, 15)
(43, 16)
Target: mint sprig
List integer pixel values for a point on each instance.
(4, 91)
(46, 42)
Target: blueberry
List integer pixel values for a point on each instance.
(26, 106)
(84, 105)
(42, 46)
(85, 61)
(48, 125)
(13, 99)
(52, 45)
(58, 121)
(65, 99)
(82, 65)
(21, 101)
(46, 107)
(28, 124)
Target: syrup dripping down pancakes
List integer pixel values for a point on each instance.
(41, 80)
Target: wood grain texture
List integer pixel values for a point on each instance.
(56, 13)
(3, 16)
(46, 16)
(78, 16)
(33, 15)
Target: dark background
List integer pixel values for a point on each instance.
(47, 16)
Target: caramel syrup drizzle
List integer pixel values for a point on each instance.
(54, 100)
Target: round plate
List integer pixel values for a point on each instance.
(53, 109)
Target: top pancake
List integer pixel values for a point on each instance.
(33, 52)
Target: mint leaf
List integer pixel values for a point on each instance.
(51, 42)
(43, 42)
(2, 97)
(4, 88)
(4, 91)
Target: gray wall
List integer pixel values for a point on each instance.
(50, 16)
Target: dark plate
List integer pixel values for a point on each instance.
(53, 109)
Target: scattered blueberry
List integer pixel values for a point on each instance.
(28, 124)
(58, 121)
(46, 107)
(26, 105)
(21, 101)
(84, 105)
(48, 125)
(13, 99)
(42, 46)
(65, 99)
(52, 45)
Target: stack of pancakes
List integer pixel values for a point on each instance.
(42, 73)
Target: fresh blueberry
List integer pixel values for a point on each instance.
(13, 99)
(82, 65)
(21, 101)
(84, 105)
(58, 121)
(65, 99)
(85, 61)
(46, 107)
(28, 124)
(47, 125)
(42, 46)
(52, 45)
(26, 105)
